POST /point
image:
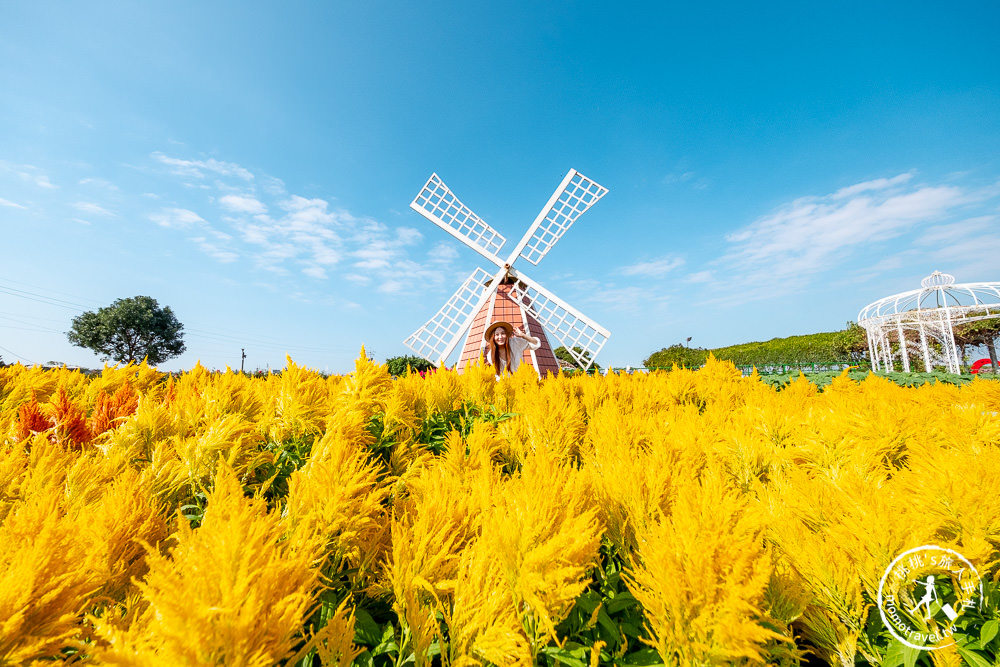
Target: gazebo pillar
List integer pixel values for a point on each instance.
(872, 356)
(902, 347)
(923, 346)
(951, 350)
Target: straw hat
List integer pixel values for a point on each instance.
(488, 334)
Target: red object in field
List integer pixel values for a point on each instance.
(979, 364)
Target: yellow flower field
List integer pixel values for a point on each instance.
(683, 518)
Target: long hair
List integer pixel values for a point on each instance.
(495, 353)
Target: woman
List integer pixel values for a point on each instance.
(503, 346)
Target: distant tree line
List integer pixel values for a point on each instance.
(847, 346)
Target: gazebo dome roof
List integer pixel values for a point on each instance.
(932, 311)
(938, 290)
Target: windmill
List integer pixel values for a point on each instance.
(503, 292)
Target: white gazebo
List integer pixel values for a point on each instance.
(932, 311)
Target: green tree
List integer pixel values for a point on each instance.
(680, 355)
(980, 332)
(130, 330)
(851, 343)
(397, 365)
(564, 355)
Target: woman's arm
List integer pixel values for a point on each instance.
(531, 342)
(519, 343)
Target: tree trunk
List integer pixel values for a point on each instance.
(991, 346)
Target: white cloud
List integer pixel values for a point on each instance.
(27, 172)
(213, 250)
(656, 268)
(700, 277)
(393, 286)
(41, 180)
(99, 182)
(10, 204)
(92, 208)
(866, 186)
(197, 168)
(376, 255)
(177, 218)
(273, 186)
(408, 235)
(442, 253)
(315, 271)
(807, 235)
(242, 204)
(286, 233)
(679, 177)
(630, 299)
(357, 278)
(946, 235)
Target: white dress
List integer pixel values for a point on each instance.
(517, 347)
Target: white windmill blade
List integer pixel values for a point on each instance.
(571, 199)
(566, 323)
(435, 340)
(440, 205)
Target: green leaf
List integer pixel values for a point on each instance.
(630, 629)
(366, 631)
(608, 625)
(893, 655)
(364, 659)
(622, 601)
(990, 629)
(588, 602)
(566, 657)
(974, 658)
(645, 657)
(910, 655)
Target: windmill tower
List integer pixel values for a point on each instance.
(504, 293)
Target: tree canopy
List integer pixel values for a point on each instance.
(397, 365)
(130, 330)
(679, 355)
(980, 332)
(563, 354)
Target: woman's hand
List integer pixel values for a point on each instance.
(519, 332)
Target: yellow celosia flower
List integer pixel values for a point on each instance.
(734, 503)
(701, 575)
(231, 592)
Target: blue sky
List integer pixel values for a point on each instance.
(773, 168)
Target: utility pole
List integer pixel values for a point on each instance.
(243, 356)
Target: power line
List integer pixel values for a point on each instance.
(224, 338)
(41, 298)
(16, 354)
(45, 289)
(32, 317)
(7, 326)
